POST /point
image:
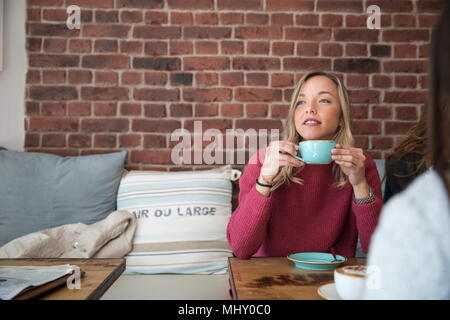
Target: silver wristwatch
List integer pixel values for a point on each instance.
(368, 199)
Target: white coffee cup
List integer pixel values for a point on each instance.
(350, 281)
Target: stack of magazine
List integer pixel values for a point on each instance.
(15, 281)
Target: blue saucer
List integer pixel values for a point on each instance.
(316, 260)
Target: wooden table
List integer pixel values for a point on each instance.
(99, 275)
(277, 278)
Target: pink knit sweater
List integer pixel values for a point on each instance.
(313, 217)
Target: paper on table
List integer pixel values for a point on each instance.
(15, 279)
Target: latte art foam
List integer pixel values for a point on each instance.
(356, 270)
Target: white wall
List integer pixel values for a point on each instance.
(12, 77)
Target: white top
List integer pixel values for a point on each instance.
(409, 255)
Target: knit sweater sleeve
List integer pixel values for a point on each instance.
(367, 214)
(247, 226)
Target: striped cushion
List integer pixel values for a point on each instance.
(182, 219)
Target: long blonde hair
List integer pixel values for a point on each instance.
(343, 134)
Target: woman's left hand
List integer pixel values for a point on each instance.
(351, 161)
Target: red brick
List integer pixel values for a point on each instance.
(53, 93)
(283, 48)
(129, 140)
(339, 6)
(152, 157)
(183, 18)
(91, 3)
(156, 63)
(106, 62)
(207, 95)
(31, 140)
(181, 47)
(405, 51)
(54, 140)
(156, 32)
(53, 124)
(206, 63)
(54, 45)
(79, 108)
(79, 76)
(256, 110)
(359, 111)
(104, 125)
(406, 113)
(53, 60)
(406, 35)
(258, 47)
(307, 49)
(103, 45)
(364, 96)
(351, 34)
(144, 125)
(366, 127)
(307, 19)
(34, 44)
(156, 94)
(407, 66)
(381, 81)
(279, 110)
(53, 76)
(106, 77)
(231, 18)
(306, 64)
(105, 109)
(100, 30)
(104, 93)
(131, 47)
(181, 110)
(190, 4)
(243, 63)
(79, 141)
(406, 82)
(232, 47)
(53, 109)
(205, 110)
(356, 49)
(155, 110)
(104, 141)
(357, 80)
(283, 19)
(240, 5)
(282, 80)
(156, 17)
(232, 79)
(206, 18)
(206, 79)
(397, 127)
(231, 110)
(257, 79)
(206, 47)
(155, 78)
(51, 30)
(220, 124)
(131, 78)
(357, 65)
(331, 20)
(207, 32)
(332, 50)
(297, 5)
(80, 45)
(130, 109)
(156, 48)
(155, 141)
(381, 112)
(258, 32)
(382, 143)
(406, 96)
(141, 4)
(33, 14)
(257, 94)
(131, 16)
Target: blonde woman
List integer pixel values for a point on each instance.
(287, 206)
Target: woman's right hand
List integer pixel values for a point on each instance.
(278, 154)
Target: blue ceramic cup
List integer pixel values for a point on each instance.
(316, 151)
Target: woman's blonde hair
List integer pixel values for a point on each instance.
(343, 134)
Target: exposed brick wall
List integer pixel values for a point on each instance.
(139, 69)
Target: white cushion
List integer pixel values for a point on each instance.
(181, 220)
